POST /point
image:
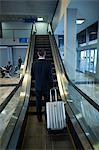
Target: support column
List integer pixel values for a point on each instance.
(10, 55)
(70, 42)
(97, 65)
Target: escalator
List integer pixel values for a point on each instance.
(41, 42)
(36, 136)
(23, 131)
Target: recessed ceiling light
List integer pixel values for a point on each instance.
(40, 19)
(80, 21)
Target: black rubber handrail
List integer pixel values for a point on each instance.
(19, 115)
(3, 105)
(96, 106)
(66, 98)
(18, 131)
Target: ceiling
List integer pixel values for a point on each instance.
(17, 10)
(86, 9)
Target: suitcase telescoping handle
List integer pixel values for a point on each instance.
(55, 93)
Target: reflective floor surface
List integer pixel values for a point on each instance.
(87, 85)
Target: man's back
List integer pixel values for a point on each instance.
(43, 75)
(43, 81)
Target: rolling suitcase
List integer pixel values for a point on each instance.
(55, 111)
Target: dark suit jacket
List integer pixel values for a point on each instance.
(43, 75)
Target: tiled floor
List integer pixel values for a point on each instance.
(7, 112)
(12, 80)
(80, 77)
(6, 87)
(4, 92)
(89, 88)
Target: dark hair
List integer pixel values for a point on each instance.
(41, 52)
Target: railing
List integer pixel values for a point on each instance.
(11, 130)
(81, 110)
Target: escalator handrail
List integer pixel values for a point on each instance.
(3, 105)
(60, 63)
(27, 55)
(27, 71)
(23, 111)
(92, 102)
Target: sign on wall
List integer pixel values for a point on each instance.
(23, 40)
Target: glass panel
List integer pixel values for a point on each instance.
(78, 61)
(83, 61)
(88, 60)
(86, 114)
(60, 45)
(92, 61)
(95, 60)
(61, 41)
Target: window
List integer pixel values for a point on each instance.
(61, 41)
(87, 60)
(92, 31)
(0, 30)
(81, 37)
(91, 60)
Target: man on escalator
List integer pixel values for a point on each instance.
(43, 81)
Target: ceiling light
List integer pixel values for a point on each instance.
(80, 21)
(40, 19)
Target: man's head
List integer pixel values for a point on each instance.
(9, 62)
(41, 52)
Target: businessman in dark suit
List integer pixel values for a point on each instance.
(43, 80)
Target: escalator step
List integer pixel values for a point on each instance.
(33, 102)
(43, 45)
(37, 138)
(32, 110)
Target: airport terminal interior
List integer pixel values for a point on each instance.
(68, 30)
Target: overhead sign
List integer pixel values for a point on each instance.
(23, 40)
(30, 20)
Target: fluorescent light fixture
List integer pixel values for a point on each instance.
(40, 19)
(80, 21)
